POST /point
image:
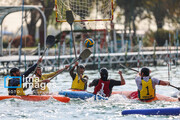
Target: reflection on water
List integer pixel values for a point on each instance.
(90, 109)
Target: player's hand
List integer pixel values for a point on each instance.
(67, 66)
(76, 63)
(40, 60)
(120, 72)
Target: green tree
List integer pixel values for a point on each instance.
(35, 16)
(132, 9)
(174, 11)
(159, 10)
(162, 10)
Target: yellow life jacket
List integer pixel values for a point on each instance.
(147, 92)
(16, 91)
(78, 84)
(43, 88)
(20, 91)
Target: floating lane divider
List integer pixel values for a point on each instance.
(158, 111)
(81, 95)
(38, 98)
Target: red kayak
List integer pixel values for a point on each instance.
(38, 97)
(134, 95)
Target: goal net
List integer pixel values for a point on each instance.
(85, 10)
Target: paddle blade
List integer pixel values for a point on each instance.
(69, 16)
(85, 54)
(50, 41)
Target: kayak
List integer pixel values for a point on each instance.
(61, 98)
(129, 94)
(81, 94)
(76, 94)
(158, 111)
(38, 98)
(134, 95)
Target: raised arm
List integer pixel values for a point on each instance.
(47, 76)
(66, 67)
(73, 75)
(122, 78)
(31, 69)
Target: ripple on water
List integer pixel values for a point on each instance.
(90, 109)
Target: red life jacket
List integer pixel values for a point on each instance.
(103, 88)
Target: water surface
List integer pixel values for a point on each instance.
(89, 109)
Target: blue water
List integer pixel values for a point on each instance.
(89, 109)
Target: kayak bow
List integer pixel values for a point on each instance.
(38, 97)
(134, 95)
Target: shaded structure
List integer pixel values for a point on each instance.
(6, 10)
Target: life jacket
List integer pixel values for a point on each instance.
(15, 91)
(20, 91)
(78, 84)
(102, 88)
(42, 88)
(147, 92)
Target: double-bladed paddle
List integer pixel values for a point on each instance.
(128, 68)
(138, 72)
(175, 87)
(84, 54)
(70, 20)
(50, 41)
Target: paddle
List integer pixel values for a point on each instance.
(70, 20)
(138, 72)
(175, 87)
(84, 54)
(128, 68)
(50, 41)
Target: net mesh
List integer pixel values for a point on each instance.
(85, 10)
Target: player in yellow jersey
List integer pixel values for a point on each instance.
(79, 79)
(15, 84)
(146, 85)
(40, 86)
